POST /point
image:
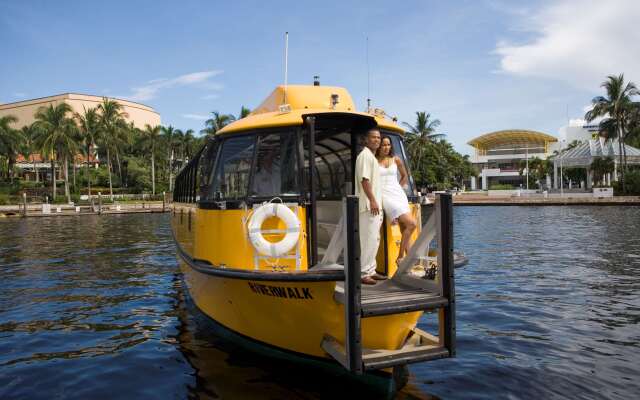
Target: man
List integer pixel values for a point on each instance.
(369, 194)
(267, 181)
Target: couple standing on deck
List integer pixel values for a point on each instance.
(378, 189)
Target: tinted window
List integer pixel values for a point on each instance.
(230, 179)
(205, 166)
(276, 171)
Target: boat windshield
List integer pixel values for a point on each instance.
(276, 170)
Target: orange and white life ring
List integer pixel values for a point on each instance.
(256, 233)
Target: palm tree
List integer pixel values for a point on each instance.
(111, 125)
(168, 133)
(56, 137)
(178, 138)
(216, 123)
(601, 166)
(89, 127)
(28, 147)
(10, 140)
(633, 134)
(187, 144)
(244, 112)
(150, 136)
(421, 135)
(616, 108)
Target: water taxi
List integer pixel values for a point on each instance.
(266, 229)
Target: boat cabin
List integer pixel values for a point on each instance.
(244, 166)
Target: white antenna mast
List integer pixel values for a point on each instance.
(286, 65)
(368, 80)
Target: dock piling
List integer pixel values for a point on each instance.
(24, 204)
(99, 203)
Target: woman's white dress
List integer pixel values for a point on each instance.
(394, 199)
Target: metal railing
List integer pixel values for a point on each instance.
(442, 291)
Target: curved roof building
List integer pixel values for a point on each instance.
(24, 110)
(512, 141)
(498, 155)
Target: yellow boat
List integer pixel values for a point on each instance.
(265, 225)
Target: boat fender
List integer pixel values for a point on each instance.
(292, 231)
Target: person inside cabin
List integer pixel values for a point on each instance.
(369, 192)
(267, 180)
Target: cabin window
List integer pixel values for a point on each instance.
(333, 165)
(206, 165)
(186, 182)
(231, 176)
(276, 169)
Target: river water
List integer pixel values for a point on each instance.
(548, 307)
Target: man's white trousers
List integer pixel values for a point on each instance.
(369, 241)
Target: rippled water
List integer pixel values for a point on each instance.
(548, 307)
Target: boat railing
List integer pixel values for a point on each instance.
(403, 293)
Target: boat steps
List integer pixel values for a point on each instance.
(400, 294)
(421, 346)
(388, 297)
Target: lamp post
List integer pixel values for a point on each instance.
(527, 162)
(561, 160)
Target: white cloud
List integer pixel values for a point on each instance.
(211, 96)
(20, 95)
(578, 42)
(198, 117)
(152, 87)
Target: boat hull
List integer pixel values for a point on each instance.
(293, 316)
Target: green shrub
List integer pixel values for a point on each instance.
(139, 177)
(4, 199)
(501, 186)
(632, 181)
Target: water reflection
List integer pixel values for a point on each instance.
(548, 307)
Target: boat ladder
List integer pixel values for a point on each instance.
(400, 294)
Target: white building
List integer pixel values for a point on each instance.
(578, 130)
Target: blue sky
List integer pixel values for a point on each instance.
(478, 66)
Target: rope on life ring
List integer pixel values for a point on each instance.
(256, 233)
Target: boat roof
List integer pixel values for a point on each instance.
(303, 100)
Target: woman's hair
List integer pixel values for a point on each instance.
(391, 154)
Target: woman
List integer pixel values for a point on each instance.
(394, 198)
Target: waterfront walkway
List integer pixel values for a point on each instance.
(37, 210)
(552, 200)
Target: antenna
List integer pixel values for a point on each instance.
(286, 65)
(368, 79)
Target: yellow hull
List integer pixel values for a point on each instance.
(293, 316)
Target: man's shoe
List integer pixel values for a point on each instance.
(367, 280)
(379, 277)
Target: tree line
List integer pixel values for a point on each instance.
(139, 159)
(146, 159)
(435, 165)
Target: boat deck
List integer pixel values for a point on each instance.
(390, 297)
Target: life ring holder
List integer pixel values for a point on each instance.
(256, 233)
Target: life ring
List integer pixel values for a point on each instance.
(292, 231)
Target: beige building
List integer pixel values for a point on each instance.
(137, 113)
(25, 110)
